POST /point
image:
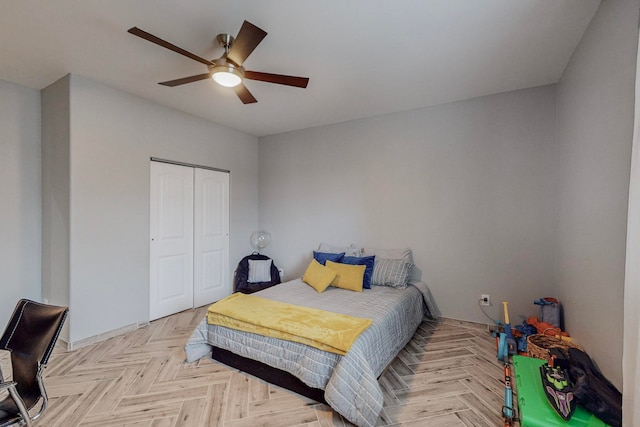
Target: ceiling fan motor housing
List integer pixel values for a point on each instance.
(225, 40)
(223, 64)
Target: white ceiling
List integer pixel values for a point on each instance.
(363, 57)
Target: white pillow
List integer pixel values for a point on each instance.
(259, 270)
(351, 250)
(403, 254)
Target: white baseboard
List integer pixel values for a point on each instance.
(101, 337)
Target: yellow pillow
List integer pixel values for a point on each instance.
(318, 276)
(348, 276)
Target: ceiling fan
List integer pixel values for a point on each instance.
(228, 70)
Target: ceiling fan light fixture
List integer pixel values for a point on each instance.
(226, 75)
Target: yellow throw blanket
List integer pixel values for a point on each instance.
(325, 330)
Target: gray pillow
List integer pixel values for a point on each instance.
(391, 272)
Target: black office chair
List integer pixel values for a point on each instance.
(30, 336)
(241, 275)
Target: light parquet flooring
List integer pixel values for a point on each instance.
(447, 375)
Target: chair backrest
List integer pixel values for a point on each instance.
(31, 335)
(241, 277)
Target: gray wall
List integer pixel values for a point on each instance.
(20, 214)
(595, 126)
(56, 195)
(469, 186)
(112, 136)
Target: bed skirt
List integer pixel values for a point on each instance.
(267, 373)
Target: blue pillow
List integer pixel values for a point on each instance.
(323, 257)
(367, 261)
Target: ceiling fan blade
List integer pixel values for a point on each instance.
(153, 39)
(277, 78)
(243, 93)
(248, 38)
(185, 80)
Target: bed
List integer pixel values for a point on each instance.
(349, 382)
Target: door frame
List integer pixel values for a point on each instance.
(228, 208)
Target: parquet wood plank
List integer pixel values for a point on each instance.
(70, 389)
(446, 420)
(142, 400)
(491, 368)
(407, 358)
(486, 394)
(143, 335)
(163, 422)
(214, 413)
(488, 353)
(119, 418)
(432, 356)
(478, 406)
(435, 377)
(258, 389)
(146, 377)
(99, 351)
(278, 419)
(146, 423)
(120, 346)
(424, 409)
(111, 364)
(81, 406)
(431, 391)
(281, 404)
(192, 412)
(114, 394)
(277, 391)
(72, 377)
(57, 409)
(436, 365)
(178, 386)
(389, 396)
(495, 384)
(68, 361)
(400, 367)
(170, 369)
(327, 417)
(238, 398)
(202, 367)
(471, 419)
(392, 380)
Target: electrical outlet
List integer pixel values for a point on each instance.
(485, 299)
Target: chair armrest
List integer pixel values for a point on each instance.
(8, 384)
(1, 377)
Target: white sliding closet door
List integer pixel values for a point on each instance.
(171, 263)
(211, 238)
(189, 238)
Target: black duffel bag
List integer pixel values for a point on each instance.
(592, 390)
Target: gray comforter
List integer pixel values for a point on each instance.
(349, 381)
